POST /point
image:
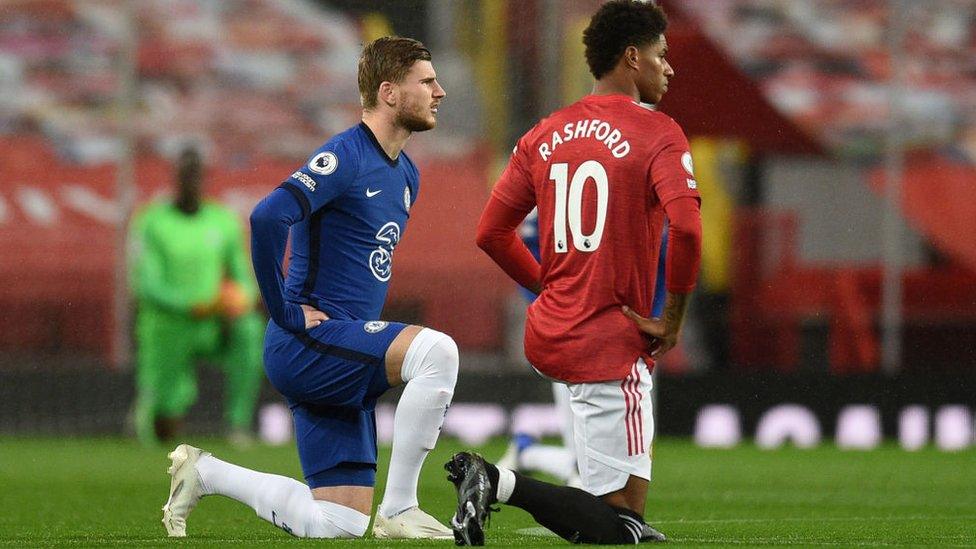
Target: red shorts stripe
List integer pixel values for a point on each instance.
(632, 420)
(635, 418)
(638, 413)
(635, 415)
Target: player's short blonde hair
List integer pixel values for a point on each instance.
(387, 59)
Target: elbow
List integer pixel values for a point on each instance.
(689, 231)
(685, 223)
(484, 240)
(260, 215)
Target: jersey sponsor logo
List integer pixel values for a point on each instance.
(406, 198)
(324, 163)
(381, 259)
(371, 194)
(375, 326)
(305, 179)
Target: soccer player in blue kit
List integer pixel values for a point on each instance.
(325, 350)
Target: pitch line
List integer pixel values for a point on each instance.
(776, 541)
(810, 519)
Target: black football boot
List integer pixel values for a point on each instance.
(475, 494)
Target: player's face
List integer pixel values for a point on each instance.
(419, 97)
(654, 72)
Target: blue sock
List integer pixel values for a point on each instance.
(523, 441)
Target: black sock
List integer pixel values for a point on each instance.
(571, 513)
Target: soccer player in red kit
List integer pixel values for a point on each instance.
(604, 173)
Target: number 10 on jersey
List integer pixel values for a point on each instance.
(569, 204)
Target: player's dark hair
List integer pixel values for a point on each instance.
(617, 25)
(387, 59)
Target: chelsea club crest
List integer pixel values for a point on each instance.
(375, 326)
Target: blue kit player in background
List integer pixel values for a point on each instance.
(325, 349)
(524, 453)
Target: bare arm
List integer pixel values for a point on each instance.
(664, 330)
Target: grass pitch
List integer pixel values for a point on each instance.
(105, 492)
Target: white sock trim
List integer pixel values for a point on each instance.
(506, 485)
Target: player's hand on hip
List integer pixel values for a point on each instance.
(313, 316)
(661, 338)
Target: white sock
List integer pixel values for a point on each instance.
(280, 500)
(553, 460)
(506, 485)
(430, 371)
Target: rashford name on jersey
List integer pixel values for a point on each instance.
(596, 129)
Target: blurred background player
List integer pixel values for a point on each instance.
(525, 453)
(195, 292)
(604, 173)
(346, 211)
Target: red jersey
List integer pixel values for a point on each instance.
(600, 172)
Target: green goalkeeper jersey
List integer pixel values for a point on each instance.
(178, 260)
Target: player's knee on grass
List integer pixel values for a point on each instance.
(287, 504)
(573, 514)
(331, 520)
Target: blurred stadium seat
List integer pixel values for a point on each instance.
(258, 84)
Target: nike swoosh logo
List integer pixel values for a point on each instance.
(371, 194)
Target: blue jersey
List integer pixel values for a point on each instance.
(347, 208)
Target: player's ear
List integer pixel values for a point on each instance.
(387, 94)
(632, 57)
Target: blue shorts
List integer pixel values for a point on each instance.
(331, 376)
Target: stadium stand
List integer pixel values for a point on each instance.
(826, 65)
(258, 83)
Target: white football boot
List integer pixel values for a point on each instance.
(413, 523)
(184, 488)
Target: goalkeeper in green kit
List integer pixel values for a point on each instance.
(195, 292)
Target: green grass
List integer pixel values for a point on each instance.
(103, 492)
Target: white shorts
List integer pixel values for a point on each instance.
(613, 425)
